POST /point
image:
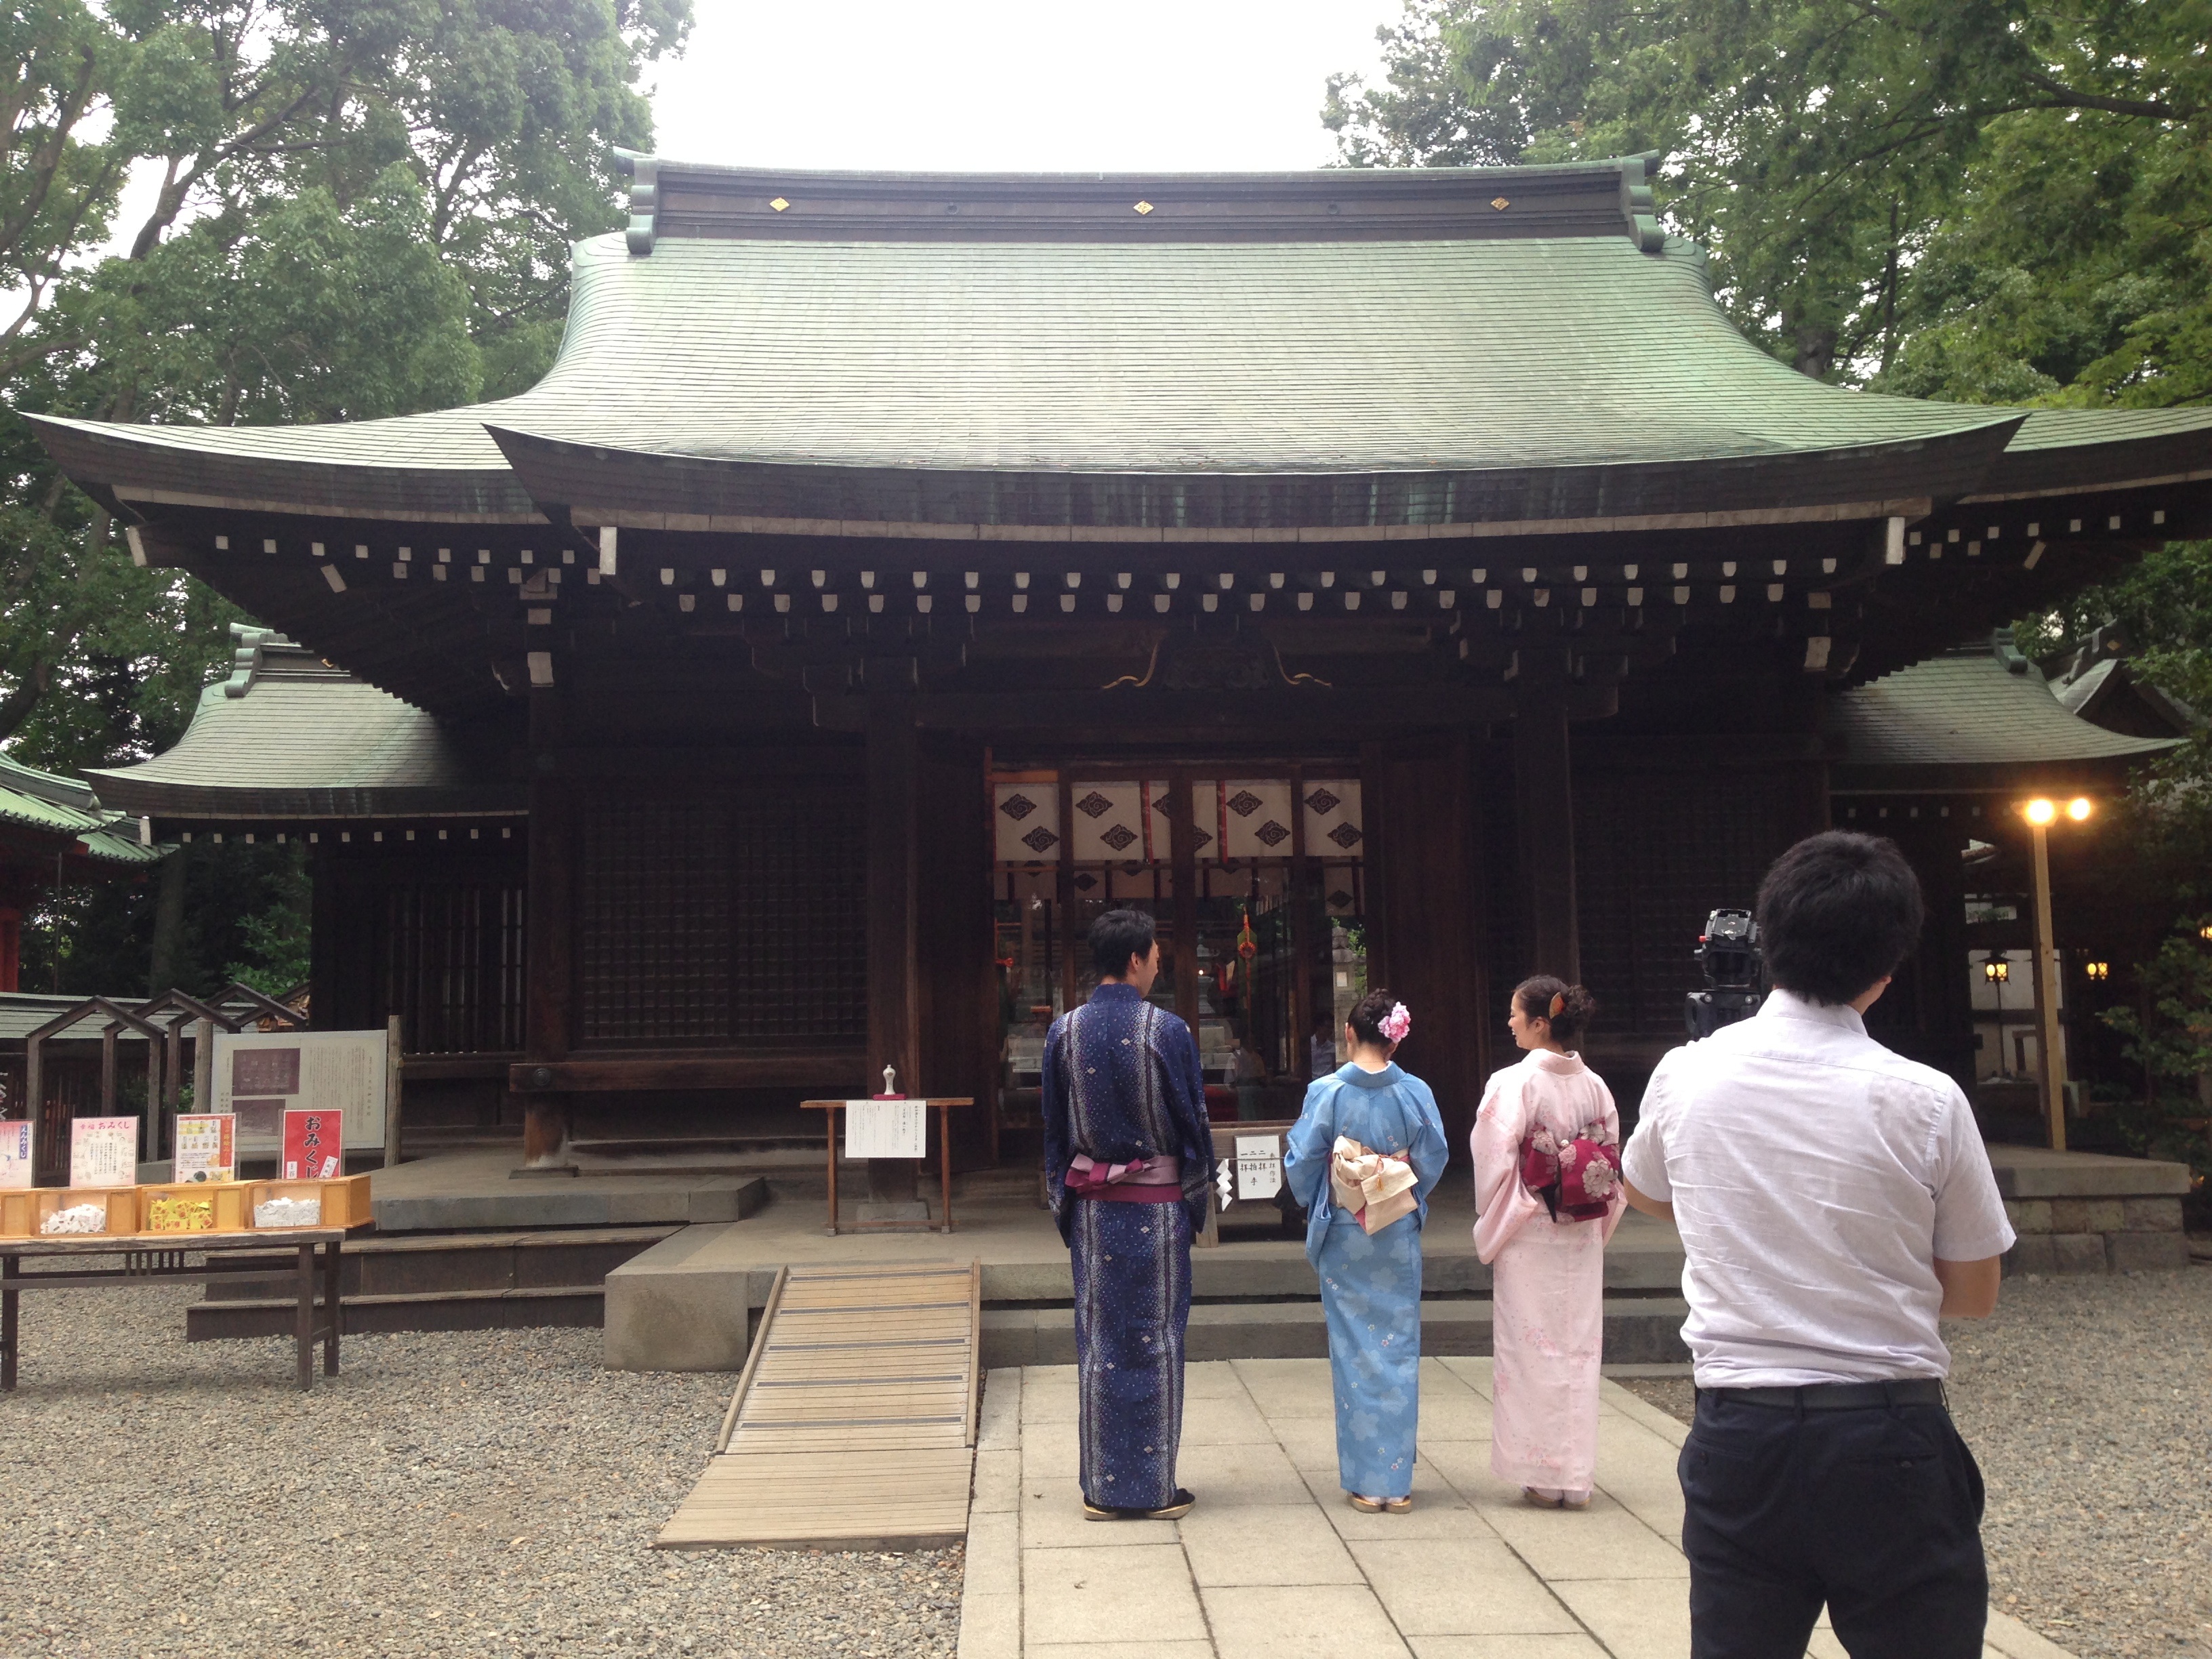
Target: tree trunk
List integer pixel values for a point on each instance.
(168, 925)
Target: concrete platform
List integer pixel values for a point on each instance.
(688, 1303)
(479, 1189)
(1273, 1563)
(2039, 1172)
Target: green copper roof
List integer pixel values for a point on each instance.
(64, 807)
(1251, 331)
(1978, 707)
(287, 736)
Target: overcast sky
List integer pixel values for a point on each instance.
(1012, 85)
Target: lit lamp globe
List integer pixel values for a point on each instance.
(2039, 812)
(2078, 809)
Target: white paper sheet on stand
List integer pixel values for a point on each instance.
(886, 1128)
(1259, 1166)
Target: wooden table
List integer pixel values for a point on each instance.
(943, 1108)
(145, 1261)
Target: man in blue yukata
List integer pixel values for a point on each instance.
(1128, 1160)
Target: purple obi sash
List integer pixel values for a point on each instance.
(1145, 1181)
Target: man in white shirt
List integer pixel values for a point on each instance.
(1834, 1200)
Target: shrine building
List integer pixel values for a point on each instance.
(1392, 577)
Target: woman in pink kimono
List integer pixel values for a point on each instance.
(1547, 1196)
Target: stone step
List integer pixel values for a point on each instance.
(439, 1310)
(445, 1263)
(1638, 1330)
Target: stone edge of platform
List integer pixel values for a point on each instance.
(540, 1206)
(990, 1583)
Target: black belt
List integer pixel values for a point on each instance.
(1840, 1396)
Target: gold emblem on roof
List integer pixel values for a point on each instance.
(779, 204)
(1144, 207)
(1500, 203)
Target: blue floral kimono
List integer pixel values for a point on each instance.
(1370, 1286)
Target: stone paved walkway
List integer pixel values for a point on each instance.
(1273, 1563)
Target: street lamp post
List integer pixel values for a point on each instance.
(2040, 814)
(1997, 970)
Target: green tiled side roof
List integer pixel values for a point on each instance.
(292, 738)
(1971, 708)
(64, 807)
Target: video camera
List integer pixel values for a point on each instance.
(1729, 952)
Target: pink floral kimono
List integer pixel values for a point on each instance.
(1549, 1277)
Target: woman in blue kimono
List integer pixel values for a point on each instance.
(1365, 1153)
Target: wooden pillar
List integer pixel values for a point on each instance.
(1182, 858)
(1544, 822)
(548, 992)
(894, 1023)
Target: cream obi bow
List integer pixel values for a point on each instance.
(1376, 1187)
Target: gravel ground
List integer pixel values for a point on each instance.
(485, 1493)
(2088, 1404)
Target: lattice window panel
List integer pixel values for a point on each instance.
(453, 966)
(654, 919)
(800, 906)
(1654, 854)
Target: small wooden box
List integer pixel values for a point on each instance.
(344, 1199)
(121, 1204)
(193, 1206)
(16, 1208)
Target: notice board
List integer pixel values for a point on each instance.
(261, 1075)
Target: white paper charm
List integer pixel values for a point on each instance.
(1222, 1176)
(1259, 1166)
(886, 1128)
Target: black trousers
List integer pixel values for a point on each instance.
(1876, 1512)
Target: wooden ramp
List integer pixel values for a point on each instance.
(853, 1424)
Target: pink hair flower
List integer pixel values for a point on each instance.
(1397, 1024)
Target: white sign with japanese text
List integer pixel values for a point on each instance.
(261, 1075)
(886, 1128)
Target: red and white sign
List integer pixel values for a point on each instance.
(314, 1145)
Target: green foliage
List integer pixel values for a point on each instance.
(1865, 174)
(245, 918)
(365, 209)
(2170, 1036)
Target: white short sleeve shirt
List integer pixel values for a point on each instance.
(1815, 1177)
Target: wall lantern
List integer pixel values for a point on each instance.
(2098, 970)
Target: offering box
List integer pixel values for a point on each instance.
(344, 1199)
(194, 1206)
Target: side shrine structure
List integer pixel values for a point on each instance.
(1404, 577)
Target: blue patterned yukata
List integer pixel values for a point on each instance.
(1370, 1286)
(1121, 1082)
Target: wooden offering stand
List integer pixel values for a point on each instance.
(943, 1107)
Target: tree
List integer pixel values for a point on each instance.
(363, 209)
(1835, 154)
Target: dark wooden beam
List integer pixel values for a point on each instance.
(548, 994)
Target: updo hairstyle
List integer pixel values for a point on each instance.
(1536, 998)
(1367, 1016)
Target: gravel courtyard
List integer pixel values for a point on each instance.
(487, 1494)
(2088, 1403)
